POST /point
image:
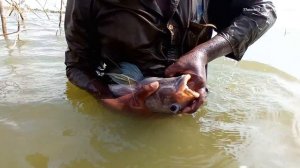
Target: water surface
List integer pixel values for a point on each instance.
(251, 118)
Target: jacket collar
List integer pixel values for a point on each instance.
(154, 6)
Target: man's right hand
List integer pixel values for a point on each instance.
(133, 102)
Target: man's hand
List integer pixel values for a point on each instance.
(133, 102)
(192, 63)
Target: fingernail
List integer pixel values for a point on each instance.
(154, 85)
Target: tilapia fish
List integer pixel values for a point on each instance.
(172, 95)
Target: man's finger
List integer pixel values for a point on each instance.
(112, 103)
(173, 69)
(195, 105)
(197, 82)
(146, 91)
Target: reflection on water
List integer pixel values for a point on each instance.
(251, 118)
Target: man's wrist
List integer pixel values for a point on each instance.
(91, 87)
(200, 55)
(98, 89)
(214, 48)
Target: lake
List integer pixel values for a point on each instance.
(251, 118)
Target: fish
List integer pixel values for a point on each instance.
(171, 97)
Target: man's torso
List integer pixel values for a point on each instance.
(138, 31)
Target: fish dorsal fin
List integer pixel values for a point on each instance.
(122, 79)
(131, 71)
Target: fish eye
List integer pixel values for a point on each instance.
(174, 108)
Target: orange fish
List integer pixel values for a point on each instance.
(172, 95)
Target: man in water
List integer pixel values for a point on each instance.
(162, 37)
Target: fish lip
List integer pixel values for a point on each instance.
(183, 87)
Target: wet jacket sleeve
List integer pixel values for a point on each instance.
(79, 39)
(255, 18)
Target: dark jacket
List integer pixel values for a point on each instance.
(112, 31)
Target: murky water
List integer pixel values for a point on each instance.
(251, 118)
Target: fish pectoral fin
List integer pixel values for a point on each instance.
(185, 89)
(186, 95)
(183, 83)
(192, 93)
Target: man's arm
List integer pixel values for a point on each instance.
(78, 32)
(250, 19)
(80, 36)
(194, 63)
(232, 41)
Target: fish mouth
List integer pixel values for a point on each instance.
(183, 87)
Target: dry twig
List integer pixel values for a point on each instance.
(60, 12)
(3, 20)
